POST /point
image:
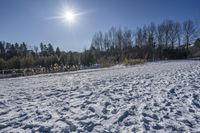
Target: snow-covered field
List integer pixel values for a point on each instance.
(162, 97)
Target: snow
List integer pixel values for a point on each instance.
(160, 97)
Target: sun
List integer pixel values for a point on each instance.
(69, 16)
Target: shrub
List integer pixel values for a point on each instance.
(13, 63)
(126, 62)
(133, 61)
(2, 64)
(28, 61)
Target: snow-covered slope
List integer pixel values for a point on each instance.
(162, 96)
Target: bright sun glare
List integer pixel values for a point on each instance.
(70, 16)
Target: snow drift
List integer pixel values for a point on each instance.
(161, 96)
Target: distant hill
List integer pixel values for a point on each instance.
(195, 49)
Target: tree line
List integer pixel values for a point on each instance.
(168, 40)
(15, 56)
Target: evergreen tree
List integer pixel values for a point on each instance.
(50, 49)
(58, 53)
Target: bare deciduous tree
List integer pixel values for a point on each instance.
(178, 30)
(172, 33)
(189, 32)
(160, 35)
(166, 25)
(139, 37)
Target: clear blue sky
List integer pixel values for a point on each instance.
(28, 20)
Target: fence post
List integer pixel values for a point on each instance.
(3, 73)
